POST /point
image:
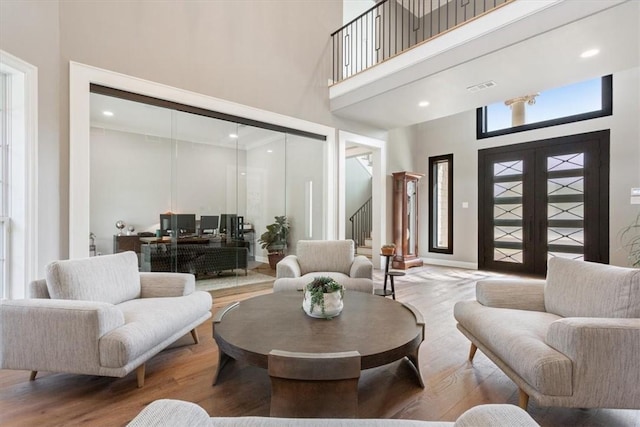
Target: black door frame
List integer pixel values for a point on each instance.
(596, 183)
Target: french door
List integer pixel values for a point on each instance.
(543, 199)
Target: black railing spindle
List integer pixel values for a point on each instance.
(380, 32)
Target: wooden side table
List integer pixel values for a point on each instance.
(388, 274)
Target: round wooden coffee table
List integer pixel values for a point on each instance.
(381, 330)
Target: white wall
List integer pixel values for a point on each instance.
(456, 134)
(198, 46)
(132, 174)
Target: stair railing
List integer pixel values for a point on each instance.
(361, 223)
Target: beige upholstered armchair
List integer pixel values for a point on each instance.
(572, 340)
(332, 258)
(99, 316)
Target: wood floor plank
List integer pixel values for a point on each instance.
(185, 371)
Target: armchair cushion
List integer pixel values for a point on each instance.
(604, 354)
(154, 285)
(54, 335)
(519, 294)
(148, 323)
(108, 278)
(575, 289)
(517, 338)
(323, 255)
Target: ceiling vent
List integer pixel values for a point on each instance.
(481, 86)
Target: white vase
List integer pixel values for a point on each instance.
(332, 305)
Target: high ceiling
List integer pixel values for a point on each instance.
(537, 52)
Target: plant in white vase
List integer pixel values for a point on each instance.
(323, 298)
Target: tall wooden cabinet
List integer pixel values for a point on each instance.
(405, 219)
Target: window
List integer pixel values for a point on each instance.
(441, 204)
(18, 186)
(4, 142)
(579, 101)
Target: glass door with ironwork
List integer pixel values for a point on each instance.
(544, 199)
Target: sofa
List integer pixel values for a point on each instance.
(572, 340)
(175, 413)
(99, 316)
(332, 258)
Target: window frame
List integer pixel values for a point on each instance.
(606, 110)
(433, 206)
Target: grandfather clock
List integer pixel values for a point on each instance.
(405, 219)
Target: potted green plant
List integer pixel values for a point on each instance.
(630, 239)
(323, 298)
(274, 240)
(388, 249)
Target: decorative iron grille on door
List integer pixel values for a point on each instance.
(543, 199)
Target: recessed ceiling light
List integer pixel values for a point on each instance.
(108, 113)
(423, 104)
(269, 151)
(589, 53)
(233, 135)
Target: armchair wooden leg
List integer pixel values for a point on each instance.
(32, 376)
(523, 399)
(194, 334)
(140, 375)
(472, 352)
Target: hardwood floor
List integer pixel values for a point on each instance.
(185, 372)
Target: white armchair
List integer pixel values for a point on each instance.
(572, 340)
(332, 258)
(99, 316)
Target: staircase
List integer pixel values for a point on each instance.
(366, 249)
(361, 229)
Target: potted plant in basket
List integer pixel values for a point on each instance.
(388, 249)
(274, 240)
(323, 298)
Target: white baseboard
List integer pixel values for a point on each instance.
(451, 263)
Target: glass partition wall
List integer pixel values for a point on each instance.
(192, 193)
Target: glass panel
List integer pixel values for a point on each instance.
(507, 189)
(574, 99)
(507, 255)
(305, 182)
(565, 211)
(565, 186)
(442, 204)
(131, 173)
(508, 168)
(507, 211)
(194, 194)
(578, 257)
(566, 207)
(565, 236)
(3, 170)
(507, 234)
(565, 162)
(508, 207)
(412, 217)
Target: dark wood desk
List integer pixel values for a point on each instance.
(380, 329)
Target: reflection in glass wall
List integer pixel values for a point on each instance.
(191, 193)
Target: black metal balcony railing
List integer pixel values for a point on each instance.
(393, 26)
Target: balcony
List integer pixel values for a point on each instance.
(521, 46)
(394, 26)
